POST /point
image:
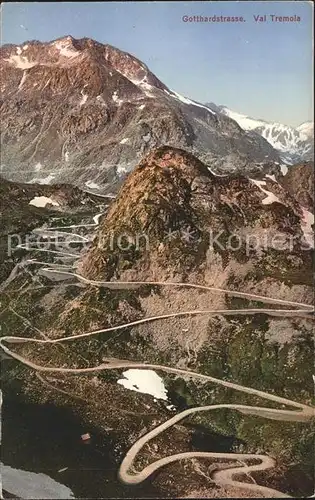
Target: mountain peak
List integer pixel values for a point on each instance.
(293, 144)
(168, 207)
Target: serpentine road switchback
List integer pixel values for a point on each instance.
(224, 476)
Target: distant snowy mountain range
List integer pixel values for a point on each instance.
(293, 144)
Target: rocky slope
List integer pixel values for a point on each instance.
(299, 181)
(82, 112)
(27, 206)
(161, 228)
(293, 144)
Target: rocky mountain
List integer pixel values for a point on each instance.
(293, 144)
(82, 112)
(172, 193)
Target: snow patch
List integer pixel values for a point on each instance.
(38, 166)
(21, 62)
(37, 485)
(42, 201)
(22, 80)
(18, 51)
(145, 86)
(67, 154)
(116, 98)
(96, 218)
(142, 106)
(284, 169)
(121, 170)
(285, 139)
(144, 381)
(272, 177)
(123, 141)
(271, 198)
(285, 157)
(246, 122)
(25, 47)
(84, 98)
(44, 180)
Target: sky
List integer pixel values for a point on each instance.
(262, 69)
